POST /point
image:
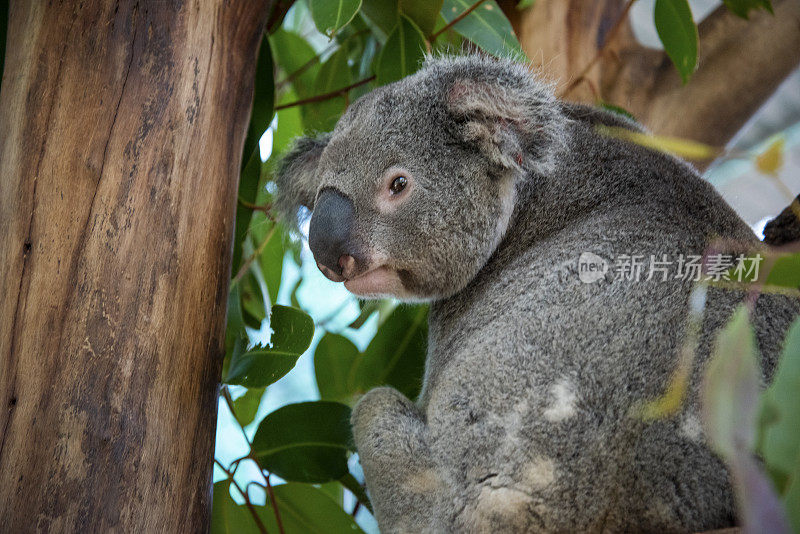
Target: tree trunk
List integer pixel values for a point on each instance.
(121, 134)
(740, 63)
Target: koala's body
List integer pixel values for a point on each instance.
(468, 185)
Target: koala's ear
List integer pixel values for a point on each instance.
(297, 177)
(514, 120)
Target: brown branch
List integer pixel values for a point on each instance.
(246, 497)
(456, 20)
(325, 96)
(256, 207)
(274, 503)
(600, 51)
(308, 64)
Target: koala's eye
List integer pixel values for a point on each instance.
(398, 184)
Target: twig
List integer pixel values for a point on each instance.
(257, 253)
(455, 21)
(246, 497)
(229, 401)
(256, 207)
(325, 96)
(305, 66)
(355, 508)
(600, 51)
(274, 503)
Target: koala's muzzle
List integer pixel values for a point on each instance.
(330, 236)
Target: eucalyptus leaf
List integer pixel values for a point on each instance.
(333, 75)
(486, 26)
(731, 387)
(678, 34)
(246, 406)
(263, 99)
(423, 12)
(248, 190)
(742, 8)
(292, 331)
(305, 442)
(785, 272)
(781, 439)
(402, 54)
(396, 355)
(335, 361)
(332, 15)
(305, 509)
(296, 58)
(381, 16)
(227, 517)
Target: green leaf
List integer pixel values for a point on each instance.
(781, 439)
(292, 331)
(253, 308)
(402, 54)
(272, 264)
(381, 16)
(248, 190)
(290, 126)
(742, 8)
(263, 99)
(358, 491)
(785, 272)
(333, 75)
(367, 309)
(423, 12)
(486, 26)
(245, 407)
(234, 329)
(332, 15)
(396, 355)
(731, 387)
(678, 34)
(335, 361)
(227, 517)
(305, 509)
(525, 4)
(293, 53)
(305, 442)
(618, 110)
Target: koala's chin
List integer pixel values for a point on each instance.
(379, 282)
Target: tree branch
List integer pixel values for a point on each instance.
(325, 96)
(741, 63)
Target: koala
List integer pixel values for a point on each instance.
(468, 185)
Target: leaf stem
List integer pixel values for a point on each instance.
(456, 20)
(350, 482)
(246, 497)
(254, 255)
(274, 503)
(325, 96)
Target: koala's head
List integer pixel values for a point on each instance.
(414, 189)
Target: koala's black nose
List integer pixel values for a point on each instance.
(330, 232)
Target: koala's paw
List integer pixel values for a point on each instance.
(404, 484)
(388, 424)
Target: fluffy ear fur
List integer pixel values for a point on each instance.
(297, 177)
(512, 117)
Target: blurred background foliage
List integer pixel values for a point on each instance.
(300, 350)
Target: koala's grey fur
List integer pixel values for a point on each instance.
(524, 423)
